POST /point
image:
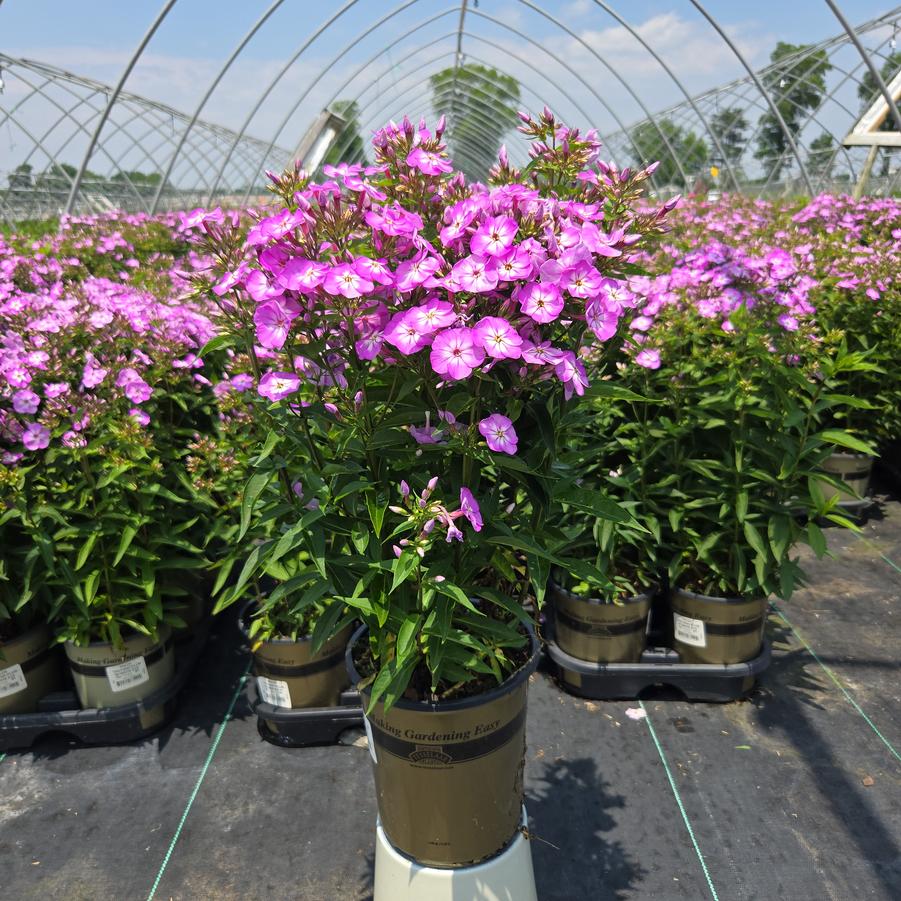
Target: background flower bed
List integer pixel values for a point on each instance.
(99, 362)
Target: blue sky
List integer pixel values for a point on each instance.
(96, 37)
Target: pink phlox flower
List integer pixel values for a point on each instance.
(56, 389)
(36, 436)
(648, 358)
(394, 220)
(515, 265)
(455, 353)
(276, 385)
(641, 323)
(475, 274)
(570, 370)
(788, 322)
(581, 280)
(540, 301)
(540, 354)
(303, 275)
(139, 416)
(471, 510)
(374, 270)
(602, 319)
(273, 322)
(494, 237)
(405, 334)
(432, 315)
(412, 273)
(276, 226)
(457, 217)
(344, 280)
(498, 338)
(429, 434)
(369, 347)
(259, 287)
(26, 401)
(499, 433)
(349, 175)
(616, 294)
(230, 280)
(429, 162)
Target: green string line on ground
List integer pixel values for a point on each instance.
(870, 544)
(200, 778)
(837, 682)
(2, 757)
(678, 797)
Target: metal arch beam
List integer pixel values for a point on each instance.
(662, 63)
(458, 58)
(381, 111)
(855, 40)
(260, 22)
(554, 20)
(164, 11)
(569, 69)
(773, 108)
(347, 47)
(79, 127)
(271, 86)
(525, 37)
(850, 75)
(543, 75)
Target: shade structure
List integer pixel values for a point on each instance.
(77, 144)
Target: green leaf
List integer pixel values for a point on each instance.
(252, 490)
(217, 343)
(596, 503)
(86, 549)
(325, 625)
(816, 539)
(406, 635)
(843, 439)
(455, 593)
(741, 505)
(376, 512)
(754, 538)
(402, 567)
(128, 534)
(272, 439)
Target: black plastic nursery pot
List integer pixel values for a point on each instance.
(29, 669)
(855, 471)
(716, 630)
(598, 630)
(106, 676)
(449, 775)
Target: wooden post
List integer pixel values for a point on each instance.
(861, 185)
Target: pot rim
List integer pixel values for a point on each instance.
(852, 455)
(604, 602)
(27, 635)
(715, 598)
(162, 634)
(242, 628)
(513, 681)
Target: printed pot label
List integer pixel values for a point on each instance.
(12, 681)
(127, 675)
(370, 740)
(274, 692)
(690, 631)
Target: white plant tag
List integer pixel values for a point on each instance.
(274, 692)
(127, 675)
(370, 739)
(12, 681)
(690, 631)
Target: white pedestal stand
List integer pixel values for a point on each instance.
(507, 877)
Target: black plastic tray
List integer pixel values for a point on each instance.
(307, 726)
(59, 712)
(658, 667)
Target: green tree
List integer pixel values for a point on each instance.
(821, 156)
(349, 147)
(690, 149)
(730, 127)
(868, 91)
(480, 105)
(797, 89)
(20, 177)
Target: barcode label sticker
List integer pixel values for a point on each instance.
(274, 692)
(690, 631)
(369, 739)
(12, 681)
(127, 675)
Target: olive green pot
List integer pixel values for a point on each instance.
(854, 470)
(108, 676)
(290, 675)
(29, 669)
(598, 630)
(449, 775)
(717, 630)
